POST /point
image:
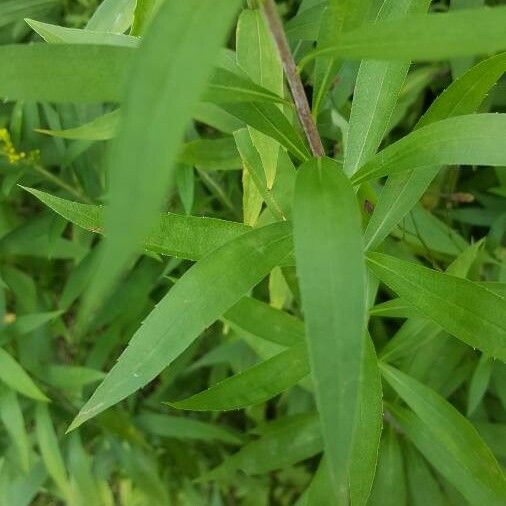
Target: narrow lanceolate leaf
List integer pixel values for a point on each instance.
(101, 128)
(331, 269)
(376, 92)
(163, 90)
(448, 440)
(470, 312)
(476, 139)
(199, 298)
(402, 191)
(367, 435)
(187, 237)
(13, 375)
(424, 37)
(254, 385)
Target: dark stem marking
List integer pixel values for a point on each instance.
(293, 78)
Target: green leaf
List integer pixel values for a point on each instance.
(145, 10)
(257, 318)
(13, 375)
(339, 16)
(465, 309)
(112, 16)
(479, 383)
(331, 270)
(306, 24)
(49, 449)
(101, 128)
(254, 385)
(55, 34)
(184, 428)
(211, 154)
(475, 139)
(366, 440)
(258, 56)
(390, 483)
(12, 418)
(188, 237)
(402, 191)
(447, 440)
(283, 443)
(253, 165)
(423, 37)
(153, 126)
(270, 120)
(15, 10)
(199, 298)
(376, 92)
(63, 73)
(423, 486)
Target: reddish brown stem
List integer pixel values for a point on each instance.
(293, 78)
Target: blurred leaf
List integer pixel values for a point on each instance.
(12, 418)
(185, 428)
(49, 449)
(63, 73)
(153, 127)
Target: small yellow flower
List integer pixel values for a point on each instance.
(14, 156)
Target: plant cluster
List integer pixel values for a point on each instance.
(252, 253)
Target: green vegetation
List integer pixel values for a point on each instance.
(252, 252)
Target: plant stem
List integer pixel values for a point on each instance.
(293, 78)
(62, 184)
